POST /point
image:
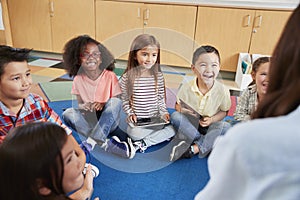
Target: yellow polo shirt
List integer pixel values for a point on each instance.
(215, 100)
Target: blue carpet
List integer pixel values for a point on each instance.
(146, 176)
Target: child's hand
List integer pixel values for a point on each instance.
(88, 181)
(132, 118)
(86, 191)
(1, 138)
(166, 117)
(206, 121)
(85, 106)
(97, 106)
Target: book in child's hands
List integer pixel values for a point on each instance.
(187, 109)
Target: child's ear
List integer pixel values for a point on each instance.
(193, 68)
(43, 190)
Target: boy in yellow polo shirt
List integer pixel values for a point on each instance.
(201, 105)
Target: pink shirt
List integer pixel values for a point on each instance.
(99, 90)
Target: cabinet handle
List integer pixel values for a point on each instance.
(146, 14)
(139, 13)
(246, 21)
(249, 20)
(259, 21)
(51, 8)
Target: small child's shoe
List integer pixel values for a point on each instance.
(95, 170)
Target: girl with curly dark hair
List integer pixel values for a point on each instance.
(96, 88)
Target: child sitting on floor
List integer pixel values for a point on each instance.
(143, 93)
(96, 88)
(255, 92)
(17, 105)
(199, 127)
(44, 163)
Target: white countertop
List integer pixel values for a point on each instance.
(253, 4)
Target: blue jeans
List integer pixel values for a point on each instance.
(95, 125)
(188, 130)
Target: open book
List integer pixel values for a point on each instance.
(187, 109)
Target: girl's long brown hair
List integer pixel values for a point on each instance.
(283, 94)
(132, 70)
(32, 153)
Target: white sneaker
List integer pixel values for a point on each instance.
(140, 145)
(95, 170)
(135, 146)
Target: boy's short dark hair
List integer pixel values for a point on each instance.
(9, 54)
(205, 49)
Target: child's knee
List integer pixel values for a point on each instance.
(68, 113)
(176, 117)
(114, 102)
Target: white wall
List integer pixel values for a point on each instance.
(276, 4)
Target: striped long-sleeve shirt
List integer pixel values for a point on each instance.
(147, 100)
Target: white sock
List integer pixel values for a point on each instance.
(104, 145)
(91, 142)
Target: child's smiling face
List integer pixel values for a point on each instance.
(91, 57)
(207, 68)
(147, 56)
(16, 81)
(261, 78)
(73, 166)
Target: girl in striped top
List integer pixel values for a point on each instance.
(143, 92)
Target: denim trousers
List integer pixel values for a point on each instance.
(187, 129)
(94, 124)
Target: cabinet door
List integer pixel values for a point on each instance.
(117, 24)
(267, 28)
(30, 24)
(229, 30)
(174, 28)
(71, 18)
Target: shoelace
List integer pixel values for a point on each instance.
(141, 146)
(143, 149)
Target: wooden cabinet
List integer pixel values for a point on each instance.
(47, 25)
(233, 31)
(174, 26)
(267, 28)
(71, 18)
(30, 24)
(118, 23)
